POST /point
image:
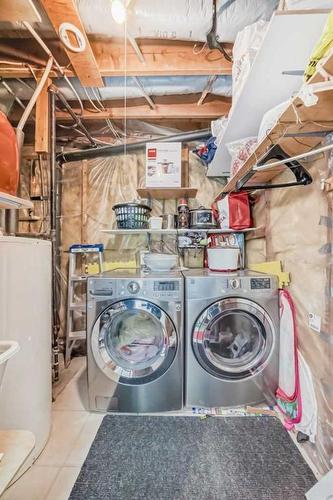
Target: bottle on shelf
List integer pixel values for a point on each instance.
(183, 214)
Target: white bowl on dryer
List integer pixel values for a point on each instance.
(160, 261)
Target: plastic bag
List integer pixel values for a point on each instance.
(246, 46)
(240, 151)
(206, 151)
(270, 118)
(321, 48)
(234, 211)
(218, 128)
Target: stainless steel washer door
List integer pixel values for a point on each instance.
(134, 341)
(233, 338)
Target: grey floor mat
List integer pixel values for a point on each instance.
(185, 458)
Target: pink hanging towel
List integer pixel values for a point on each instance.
(289, 394)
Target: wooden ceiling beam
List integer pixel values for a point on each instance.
(175, 108)
(14, 11)
(84, 63)
(161, 58)
(180, 111)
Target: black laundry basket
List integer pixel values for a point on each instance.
(132, 215)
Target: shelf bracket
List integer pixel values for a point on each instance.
(303, 178)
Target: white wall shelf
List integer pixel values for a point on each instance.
(283, 50)
(13, 202)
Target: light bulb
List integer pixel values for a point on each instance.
(118, 11)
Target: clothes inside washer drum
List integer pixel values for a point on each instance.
(189, 458)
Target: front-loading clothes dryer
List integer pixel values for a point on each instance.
(135, 341)
(231, 338)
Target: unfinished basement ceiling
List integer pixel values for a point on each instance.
(157, 64)
(121, 87)
(173, 20)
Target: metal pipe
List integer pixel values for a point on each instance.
(268, 166)
(53, 232)
(133, 146)
(55, 91)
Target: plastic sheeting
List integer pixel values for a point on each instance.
(89, 189)
(246, 47)
(176, 20)
(299, 227)
(118, 87)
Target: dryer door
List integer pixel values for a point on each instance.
(133, 341)
(233, 338)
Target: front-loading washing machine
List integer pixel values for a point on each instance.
(135, 341)
(232, 338)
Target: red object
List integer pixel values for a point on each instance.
(235, 211)
(9, 157)
(240, 211)
(152, 153)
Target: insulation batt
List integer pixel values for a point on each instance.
(116, 87)
(175, 20)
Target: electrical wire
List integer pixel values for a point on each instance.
(59, 68)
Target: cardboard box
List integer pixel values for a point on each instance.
(164, 164)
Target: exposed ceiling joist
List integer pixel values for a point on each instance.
(176, 110)
(18, 11)
(161, 58)
(84, 63)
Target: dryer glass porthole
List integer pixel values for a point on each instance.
(134, 341)
(233, 338)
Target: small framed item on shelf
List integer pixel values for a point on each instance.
(164, 164)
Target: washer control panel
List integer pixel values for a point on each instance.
(166, 289)
(133, 287)
(260, 283)
(101, 288)
(149, 289)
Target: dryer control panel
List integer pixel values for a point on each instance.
(260, 283)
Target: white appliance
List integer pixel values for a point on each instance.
(7, 350)
(25, 316)
(231, 338)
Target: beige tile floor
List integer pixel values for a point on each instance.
(73, 430)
